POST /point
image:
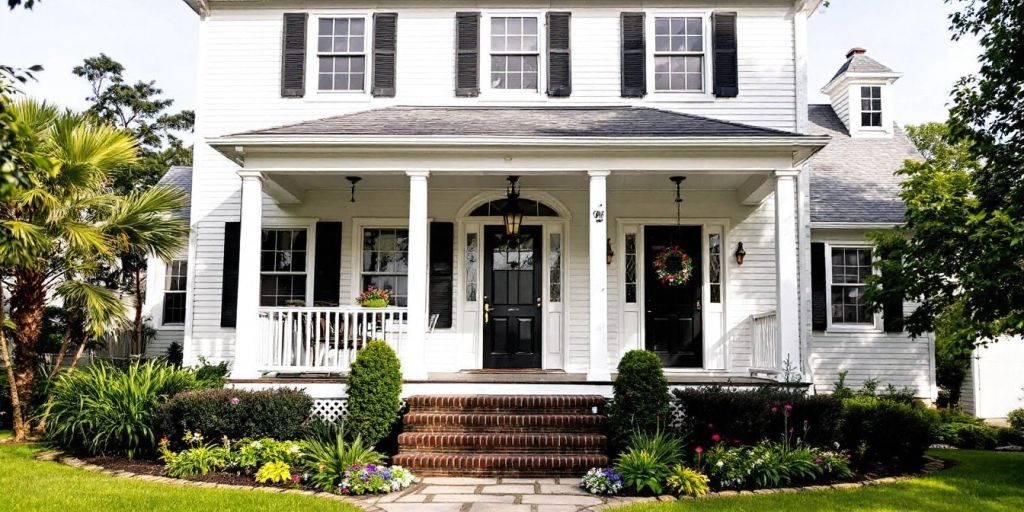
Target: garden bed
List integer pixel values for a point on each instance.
(155, 468)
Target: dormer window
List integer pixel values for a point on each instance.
(871, 106)
(515, 53)
(679, 54)
(341, 52)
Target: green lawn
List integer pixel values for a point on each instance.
(30, 485)
(978, 482)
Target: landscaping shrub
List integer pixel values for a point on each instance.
(712, 414)
(887, 433)
(641, 399)
(604, 481)
(646, 464)
(1016, 419)
(374, 393)
(236, 414)
(250, 455)
(198, 460)
(684, 481)
(328, 461)
(772, 464)
(209, 375)
(104, 410)
(374, 479)
(1008, 436)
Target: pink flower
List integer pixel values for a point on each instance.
(716, 438)
(699, 450)
(787, 407)
(234, 400)
(775, 409)
(296, 478)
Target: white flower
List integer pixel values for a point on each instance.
(720, 464)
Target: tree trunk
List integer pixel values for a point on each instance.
(27, 301)
(18, 421)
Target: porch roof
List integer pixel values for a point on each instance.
(521, 121)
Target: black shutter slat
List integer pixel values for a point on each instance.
(634, 56)
(819, 305)
(467, 54)
(327, 264)
(293, 55)
(892, 308)
(442, 266)
(229, 283)
(385, 48)
(559, 55)
(726, 64)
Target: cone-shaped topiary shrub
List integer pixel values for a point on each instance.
(374, 389)
(641, 401)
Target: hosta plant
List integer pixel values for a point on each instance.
(642, 472)
(374, 479)
(684, 481)
(602, 481)
(274, 473)
(328, 462)
(250, 455)
(196, 461)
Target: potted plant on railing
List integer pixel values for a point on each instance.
(374, 298)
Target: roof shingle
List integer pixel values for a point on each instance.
(180, 177)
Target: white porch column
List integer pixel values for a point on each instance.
(250, 233)
(598, 277)
(786, 251)
(412, 350)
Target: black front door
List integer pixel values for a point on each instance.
(674, 326)
(512, 298)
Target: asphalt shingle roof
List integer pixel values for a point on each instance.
(861, 63)
(611, 121)
(180, 177)
(854, 180)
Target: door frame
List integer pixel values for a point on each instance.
(715, 358)
(554, 315)
(540, 253)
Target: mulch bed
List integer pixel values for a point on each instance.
(155, 468)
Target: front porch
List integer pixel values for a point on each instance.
(572, 294)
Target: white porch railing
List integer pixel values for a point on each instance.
(766, 348)
(323, 339)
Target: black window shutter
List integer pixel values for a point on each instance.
(385, 47)
(293, 55)
(467, 54)
(229, 283)
(819, 305)
(634, 56)
(559, 55)
(327, 264)
(726, 65)
(892, 309)
(442, 253)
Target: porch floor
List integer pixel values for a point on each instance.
(527, 376)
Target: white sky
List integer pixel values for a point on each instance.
(156, 40)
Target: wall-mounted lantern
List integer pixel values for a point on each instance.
(740, 254)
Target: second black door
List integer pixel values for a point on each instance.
(674, 323)
(512, 298)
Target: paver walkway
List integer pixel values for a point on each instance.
(436, 494)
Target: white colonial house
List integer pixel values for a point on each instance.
(508, 172)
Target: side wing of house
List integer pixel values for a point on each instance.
(167, 282)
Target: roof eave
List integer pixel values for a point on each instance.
(888, 77)
(201, 7)
(856, 225)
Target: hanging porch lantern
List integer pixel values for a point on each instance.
(512, 212)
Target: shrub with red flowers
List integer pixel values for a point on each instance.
(374, 297)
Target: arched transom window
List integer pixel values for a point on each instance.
(530, 208)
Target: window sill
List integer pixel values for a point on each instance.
(680, 97)
(499, 95)
(338, 96)
(854, 329)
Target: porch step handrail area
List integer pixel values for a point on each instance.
(323, 339)
(766, 349)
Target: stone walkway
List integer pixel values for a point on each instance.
(436, 494)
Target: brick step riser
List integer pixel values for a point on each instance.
(501, 450)
(525, 411)
(498, 465)
(507, 403)
(503, 442)
(502, 473)
(566, 422)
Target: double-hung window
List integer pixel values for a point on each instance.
(515, 53)
(849, 271)
(679, 56)
(341, 54)
(175, 282)
(871, 106)
(283, 272)
(386, 262)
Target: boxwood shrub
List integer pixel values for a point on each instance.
(881, 432)
(237, 414)
(374, 393)
(750, 416)
(641, 400)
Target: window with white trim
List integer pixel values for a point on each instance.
(679, 56)
(386, 262)
(175, 285)
(515, 53)
(850, 268)
(283, 272)
(341, 54)
(871, 106)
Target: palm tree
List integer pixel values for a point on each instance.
(57, 231)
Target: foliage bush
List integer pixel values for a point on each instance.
(1016, 419)
(1007, 436)
(641, 399)
(884, 432)
(329, 461)
(374, 393)
(250, 455)
(276, 472)
(969, 436)
(712, 414)
(104, 410)
(772, 464)
(647, 461)
(683, 481)
(872, 388)
(236, 414)
(197, 461)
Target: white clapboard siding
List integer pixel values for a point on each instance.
(891, 358)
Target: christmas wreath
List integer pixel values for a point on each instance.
(673, 266)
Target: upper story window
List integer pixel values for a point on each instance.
(175, 282)
(679, 56)
(871, 106)
(283, 271)
(850, 268)
(515, 53)
(341, 52)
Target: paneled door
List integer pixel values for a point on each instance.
(512, 298)
(673, 323)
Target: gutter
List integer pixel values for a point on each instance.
(817, 141)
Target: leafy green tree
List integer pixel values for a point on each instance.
(67, 223)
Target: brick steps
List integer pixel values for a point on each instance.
(513, 435)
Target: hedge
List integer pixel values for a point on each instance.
(881, 432)
(235, 413)
(374, 393)
(641, 399)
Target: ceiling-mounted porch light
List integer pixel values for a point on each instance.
(353, 180)
(512, 212)
(740, 254)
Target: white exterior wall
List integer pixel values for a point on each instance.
(152, 309)
(995, 383)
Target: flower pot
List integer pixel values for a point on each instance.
(374, 303)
